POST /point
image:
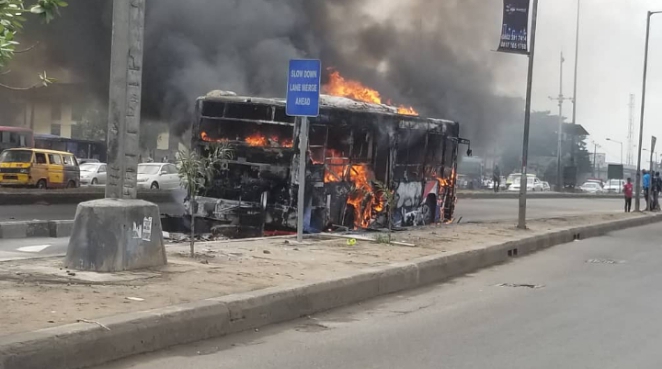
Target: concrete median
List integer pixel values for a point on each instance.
(93, 343)
(36, 229)
(73, 196)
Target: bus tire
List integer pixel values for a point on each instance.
(41, 184)
(71, 184)
(430, 209)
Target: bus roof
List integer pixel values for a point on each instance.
(45, 151)
(326, 101)
(14, 129)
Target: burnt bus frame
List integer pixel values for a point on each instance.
(339, 117)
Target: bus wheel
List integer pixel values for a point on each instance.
(41, 184)
(71, 184)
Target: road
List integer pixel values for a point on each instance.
(28, 248)
(587, 313)
(475, 210)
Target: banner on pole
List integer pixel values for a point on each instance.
(515, 28)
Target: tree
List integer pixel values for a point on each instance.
(93, 125)
(11, 23)
(197, 173)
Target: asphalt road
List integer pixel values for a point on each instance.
(597, 306)
(29, 248)
(469, 209)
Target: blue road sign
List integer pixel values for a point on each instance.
(303, 88)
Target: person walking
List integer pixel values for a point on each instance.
(646, 184)
(496, 178)
(657, 187)
(627, 191)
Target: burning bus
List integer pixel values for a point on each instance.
(352, 147)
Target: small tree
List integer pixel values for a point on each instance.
(388, 199)
(197, 172)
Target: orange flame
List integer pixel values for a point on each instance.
(364, 200)
(339, 86)
(255, 139)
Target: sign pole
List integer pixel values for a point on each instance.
(303, 148)
(304, 79)
(521, 223)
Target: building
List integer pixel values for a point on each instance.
(53, 110)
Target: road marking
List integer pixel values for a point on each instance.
(36, 248)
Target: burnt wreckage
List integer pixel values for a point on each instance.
(352, 147)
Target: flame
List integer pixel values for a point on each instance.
(365, 201)
(407, 110)
(255, 139)
(339, 86)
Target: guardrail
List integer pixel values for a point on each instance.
(78, 195)
(75, 196)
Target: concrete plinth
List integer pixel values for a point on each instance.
(114, 235)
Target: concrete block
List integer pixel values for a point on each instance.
(14, 229)
(113, 235)
(60, 228)
(37, 229)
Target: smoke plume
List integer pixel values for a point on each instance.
(433, 55)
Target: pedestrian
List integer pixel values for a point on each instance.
(627, 190)
(646, 184)
(496, 178)
(657, 185)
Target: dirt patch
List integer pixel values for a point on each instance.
(39, 293)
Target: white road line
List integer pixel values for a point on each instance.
(35, 249)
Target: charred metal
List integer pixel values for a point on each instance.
(352, 147)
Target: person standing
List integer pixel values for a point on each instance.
(627, 191)
(496, 178)
(646, 184)
(657, 187)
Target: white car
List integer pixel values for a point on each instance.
(591, 187)
(614, 185)
(92, 174)
(533, 184)
(546, 186)
(157, 176)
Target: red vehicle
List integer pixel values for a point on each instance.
(13, 137)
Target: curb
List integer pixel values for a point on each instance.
(83, 345)
(36, 228)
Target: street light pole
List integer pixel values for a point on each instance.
(559, 149)
(637, 201)
(620, 143)
(574, 89)
(521, 222)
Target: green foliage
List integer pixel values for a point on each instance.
(197, 172)
(11, 23)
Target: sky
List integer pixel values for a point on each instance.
(611, 53)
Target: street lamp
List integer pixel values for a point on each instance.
(574, 89)
(637, 185)
(620, 143)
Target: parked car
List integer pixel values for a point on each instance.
(546, 186)
(27, 167)
(158, 176)
(85, 161)
(533, 184)
(591, 187)
(93, 174)
(614, 185)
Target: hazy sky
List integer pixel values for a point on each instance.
(612, 36)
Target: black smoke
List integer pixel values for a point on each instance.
(433, 55)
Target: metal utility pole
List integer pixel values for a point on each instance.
(595, 158)
(126, 63)
(521, 223)
(303, 149)
(637, 185)
(559, 148)
(630, 158)
(574, 89)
